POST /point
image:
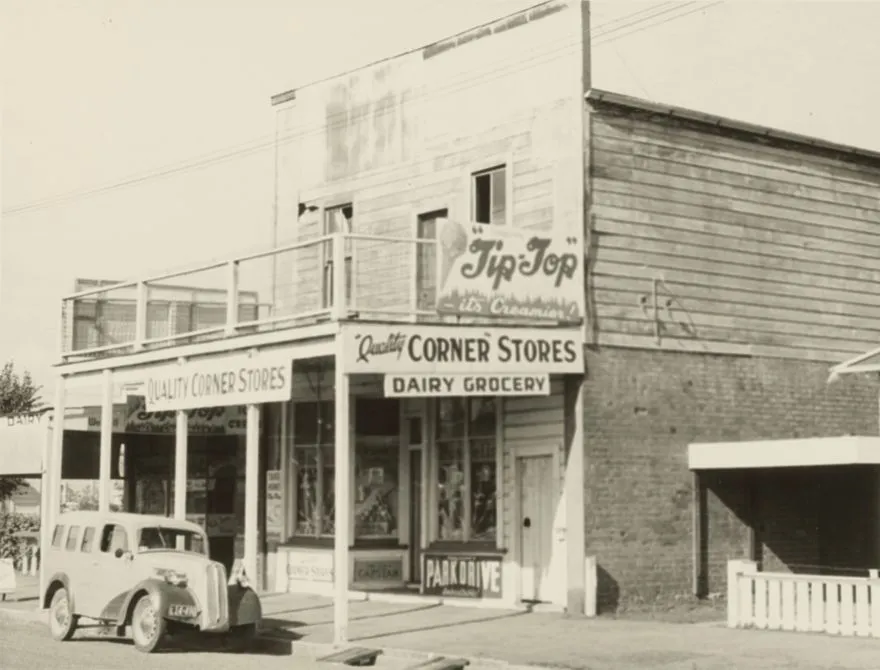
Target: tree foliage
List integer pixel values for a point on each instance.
(18, 395)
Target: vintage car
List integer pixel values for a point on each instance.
(150, 573)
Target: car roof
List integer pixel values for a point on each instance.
(126, 519)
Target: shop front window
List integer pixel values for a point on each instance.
(314, 470)
(466, 472)
(377, 468)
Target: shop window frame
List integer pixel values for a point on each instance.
(466, 544)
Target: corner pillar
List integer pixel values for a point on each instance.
(573, 494)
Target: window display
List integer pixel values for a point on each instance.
(466, 469)
(376, 468)
(376, 490)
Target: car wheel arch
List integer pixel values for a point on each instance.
(58, 581)
(147, 588)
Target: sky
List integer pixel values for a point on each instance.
(97, 95)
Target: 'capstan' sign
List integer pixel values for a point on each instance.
(402, 348)
(219, 382)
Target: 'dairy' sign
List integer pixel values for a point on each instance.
(219, 382)
(509, 273)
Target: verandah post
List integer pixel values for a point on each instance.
(342, 509)
(106, 444)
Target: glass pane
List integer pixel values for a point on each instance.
(328, 510)
(483, 490)
(376, 491)
(450, 490)
(308, 513)
(450, 418)
(426, 264)
(483, 417)
(499, 196)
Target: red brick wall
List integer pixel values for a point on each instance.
(642, 409)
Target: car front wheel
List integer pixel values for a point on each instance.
(147, 625)
(62, 621)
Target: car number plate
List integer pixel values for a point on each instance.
(183, 611)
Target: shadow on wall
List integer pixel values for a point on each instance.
(609, 592)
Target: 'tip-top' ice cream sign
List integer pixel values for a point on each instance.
(509, 273)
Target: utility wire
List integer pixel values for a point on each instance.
(625, 29)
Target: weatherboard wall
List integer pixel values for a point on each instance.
(402, 137)
(755, 246)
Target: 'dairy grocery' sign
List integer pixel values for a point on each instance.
(509, 273)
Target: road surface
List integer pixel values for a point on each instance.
(27, 646)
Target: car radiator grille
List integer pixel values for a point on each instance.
(216, 596)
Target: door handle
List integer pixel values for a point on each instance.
(527, 523)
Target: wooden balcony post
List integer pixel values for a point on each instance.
(339, 306)
(140, 319)
(231, 297)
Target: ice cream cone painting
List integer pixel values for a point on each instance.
(509, 273)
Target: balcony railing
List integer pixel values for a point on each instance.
(326, 278)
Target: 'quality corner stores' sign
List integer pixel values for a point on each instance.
(404, 349)
(220, 382)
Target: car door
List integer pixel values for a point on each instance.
(83, 572)
(114, 573)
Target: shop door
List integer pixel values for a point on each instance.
(415, 515)
(536, 526)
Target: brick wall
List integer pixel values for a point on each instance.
(642, 409)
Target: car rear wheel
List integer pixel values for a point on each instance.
(147, 625)
(62, 621)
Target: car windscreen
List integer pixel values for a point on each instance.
(152, 538)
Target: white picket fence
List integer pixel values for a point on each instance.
(847, 606)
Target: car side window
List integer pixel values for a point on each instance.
(72, 538)
(57, 534)
(88, 542)
(114, 537)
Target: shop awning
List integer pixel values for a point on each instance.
(816, 451)
(21, 447)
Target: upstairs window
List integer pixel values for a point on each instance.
(426, 259)
(337, 220)
(489, 196)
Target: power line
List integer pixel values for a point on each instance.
(625, 29)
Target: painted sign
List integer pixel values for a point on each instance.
(462, 576)
(414, 386)
(505, 272)
(27, 419)
(239, 379)
(378, 570)
(404, 348)
(134, 418)
(310, 566)
(274, 503)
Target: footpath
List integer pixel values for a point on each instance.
(413, 632)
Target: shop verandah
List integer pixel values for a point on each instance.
(474, 490)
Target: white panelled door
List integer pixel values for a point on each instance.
(535, 526)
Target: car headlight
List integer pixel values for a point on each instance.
(173, 577)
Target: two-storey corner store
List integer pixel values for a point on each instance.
(435, 458)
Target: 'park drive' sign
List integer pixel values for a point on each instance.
(219, 382)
